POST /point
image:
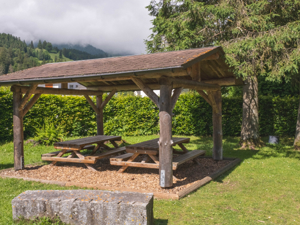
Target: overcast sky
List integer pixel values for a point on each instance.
(111, 25)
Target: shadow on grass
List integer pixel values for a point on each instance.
(160, 222)
(6, 166)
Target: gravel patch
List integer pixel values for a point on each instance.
(107, 176)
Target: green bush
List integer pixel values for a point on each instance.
(130, 115)
(49, 133)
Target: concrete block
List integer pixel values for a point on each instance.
(86, 206)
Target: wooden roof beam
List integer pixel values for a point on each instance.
(55, 91)
(194, 85)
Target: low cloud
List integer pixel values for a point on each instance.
(113, 26)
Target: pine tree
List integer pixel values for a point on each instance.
(40, 45)
(44, 44)
(31, 45)
(259, 37)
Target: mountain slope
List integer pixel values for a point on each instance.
(88, 49)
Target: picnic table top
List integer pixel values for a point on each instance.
(153, 144)
(79, 143)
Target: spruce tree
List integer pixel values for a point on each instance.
(259, 37)
(40, 45)
(31, 45)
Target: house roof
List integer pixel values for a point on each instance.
(91, 72)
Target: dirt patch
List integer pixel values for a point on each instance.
(134, 178)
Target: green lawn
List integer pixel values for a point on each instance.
(263, 189)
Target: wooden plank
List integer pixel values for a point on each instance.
(55, 91)
(18, 132)
(114, 143)
(133, 157)
(59, 155)
(187, 156)
(153, 144)
(183, 148)
(27, 96)
(154, 158)
(165, 140)
(195, 72)
(124, 87)
(120, 158)
(51, 154)
(135, 164)
(79, 143)
(105, 154)
(149, 152)
(30, 103)
(207, 179)
(149, 92)
(72, 160)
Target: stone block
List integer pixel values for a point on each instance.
(86, 206)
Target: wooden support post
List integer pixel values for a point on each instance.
(99, 115)
(217, 126)
(18, 132)
(165, 140)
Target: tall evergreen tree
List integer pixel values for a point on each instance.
(44, 44)
(260, 38)
(40, 45)
(31, 45)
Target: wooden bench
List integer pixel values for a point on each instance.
(100, 150)
(150, 150)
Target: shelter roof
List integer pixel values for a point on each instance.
(95, 72)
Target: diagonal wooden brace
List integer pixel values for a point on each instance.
(150, 93)
(27, 96)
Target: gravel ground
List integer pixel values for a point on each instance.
(107, 175)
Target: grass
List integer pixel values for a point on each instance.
(263, 189)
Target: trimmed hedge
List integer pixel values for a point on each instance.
(130, 115)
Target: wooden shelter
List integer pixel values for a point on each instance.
(202, 69)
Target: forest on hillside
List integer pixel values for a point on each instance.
(16, 55)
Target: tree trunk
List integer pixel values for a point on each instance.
(250, 125)
(297, 135)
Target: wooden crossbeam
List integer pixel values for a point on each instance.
(149, 92)
(54, 91)
(194, 85)
(27, 96)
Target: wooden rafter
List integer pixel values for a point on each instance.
(194, 85)
(55, 91)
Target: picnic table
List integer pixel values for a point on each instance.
(74, 147)
(150, 150)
